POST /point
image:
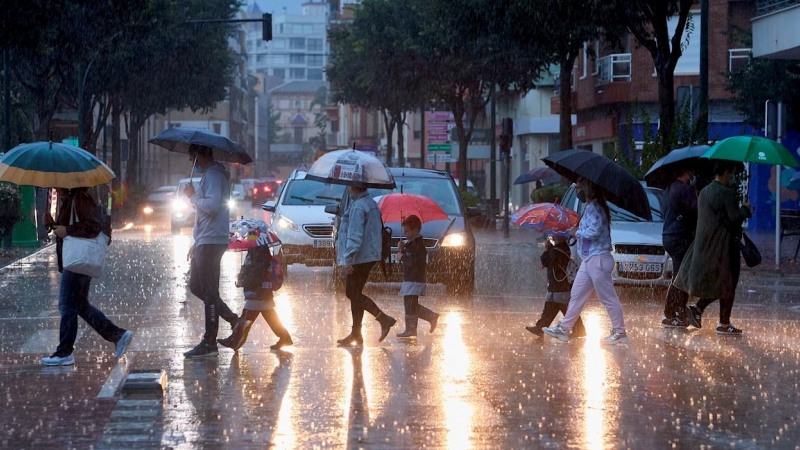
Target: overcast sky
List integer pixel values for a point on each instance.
(276, 6)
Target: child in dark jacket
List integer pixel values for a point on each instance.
(254, 278)
(415, 260)
(555, 259)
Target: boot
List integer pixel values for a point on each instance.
(354, 338)
(411, 327)
(387, 322)
(283, 341)
(239, 336)
(429, 316)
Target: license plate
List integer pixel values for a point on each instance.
(633, 266)
(323, 243)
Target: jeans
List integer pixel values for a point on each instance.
(73, 301)
(204, 283)
(353, 285)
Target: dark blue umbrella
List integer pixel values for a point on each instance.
(538, 173)
(179, 139)
(664, 171)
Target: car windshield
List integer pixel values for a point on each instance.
(312, 192)
(654, 197)
(440, 190)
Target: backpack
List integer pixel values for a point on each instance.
(571, 270)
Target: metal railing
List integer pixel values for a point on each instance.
(739, 58)
(613, 68)
(764, 7)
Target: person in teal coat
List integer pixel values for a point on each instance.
(710, 269)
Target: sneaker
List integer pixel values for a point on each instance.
(728, 330)
(201, 350)
(615, 338)
(282, 342)
(673, 323)
(58, 360)
(535, 330)
(557, 332)
(695, 316)
(122, 344)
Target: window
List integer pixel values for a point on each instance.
(297, 58)
(584, 62)
(217, 128)
(261, 58)
(739, 58)
(315, 45)
(298, 103)
(689, 62)
(279, 73)
(297, 43)
(297, 74)
(315, 60)
(278, 43)
(315, 74)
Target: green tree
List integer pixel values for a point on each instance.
(647, 21)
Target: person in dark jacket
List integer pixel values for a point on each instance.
(73, 294)
(713, 262)
(555, 259)
(414, 256)
(680, 220)
(254, 278)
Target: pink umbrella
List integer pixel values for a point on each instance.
(396, 207)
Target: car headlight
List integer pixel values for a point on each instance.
(454, 240)
(231, 203)
(283, 222)
(147, 210)
(179, 205)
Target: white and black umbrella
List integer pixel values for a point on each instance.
(352, 168)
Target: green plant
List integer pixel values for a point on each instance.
(549, 193)
(10, 203)
(469, 199)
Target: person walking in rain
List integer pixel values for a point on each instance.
(358, 248)
(594, 244)
(555, 259)
(712, 263)
(73, 294)
(414, 256)
(680, 220)
(256, 281)
(211, 230)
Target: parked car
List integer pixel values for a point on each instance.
(183, 211)
(637, 247)
(159, 203)
(263, 191)
(450, 243)
(299, 218)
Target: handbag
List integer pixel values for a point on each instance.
(86, 256)
(750, 253)
(570, 272)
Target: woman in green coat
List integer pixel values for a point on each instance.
(710, 269)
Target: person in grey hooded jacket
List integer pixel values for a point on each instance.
(211, 230)
(358, 248)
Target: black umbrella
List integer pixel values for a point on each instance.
(664, 171)
(623, 189)
(539, 173)
(179, 139)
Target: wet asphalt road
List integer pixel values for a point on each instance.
(480, 381)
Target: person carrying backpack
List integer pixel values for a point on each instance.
(555, 259)
(258, 277)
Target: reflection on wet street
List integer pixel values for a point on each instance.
(480, 381)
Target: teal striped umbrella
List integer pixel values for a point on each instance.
(48, 164)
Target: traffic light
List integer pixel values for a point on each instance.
(266, 27)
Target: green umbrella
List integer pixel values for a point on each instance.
(48, 164)
(751, 149)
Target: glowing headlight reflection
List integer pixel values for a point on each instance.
(283, 222)
(231, 203)
(147, 210)
(455, 385)
(179, 204)
(454, 240)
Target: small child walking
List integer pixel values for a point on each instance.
(254, 278)
(414, 256)
(555, 259)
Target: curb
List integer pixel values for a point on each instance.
(34, 253)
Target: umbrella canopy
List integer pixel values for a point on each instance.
(539, 173)
(179, 139)
(396, 207)
(623, 189)
(249, 233)
(664, 171)
(351, 167)
(550, 218)
(752, 149)
(48, 164)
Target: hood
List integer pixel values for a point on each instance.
(215, 166)
(639, 233)
(306, 214)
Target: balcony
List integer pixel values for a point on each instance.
(764, 7)
(614, 68)
(775, 29)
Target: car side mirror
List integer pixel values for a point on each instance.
(268, 206)
(473, 211)
(332, 209)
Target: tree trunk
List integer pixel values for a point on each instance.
(388, 124)
(116, 145)
(132, 170)
(666, 110)
(565, 97)
(401, 151)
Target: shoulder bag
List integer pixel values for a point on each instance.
(84, 255)
(750, 253)
(571, 270)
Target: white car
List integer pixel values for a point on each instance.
(183, 211)
(637, 247)
(300, 220)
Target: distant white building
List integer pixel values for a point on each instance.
(299, 47)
